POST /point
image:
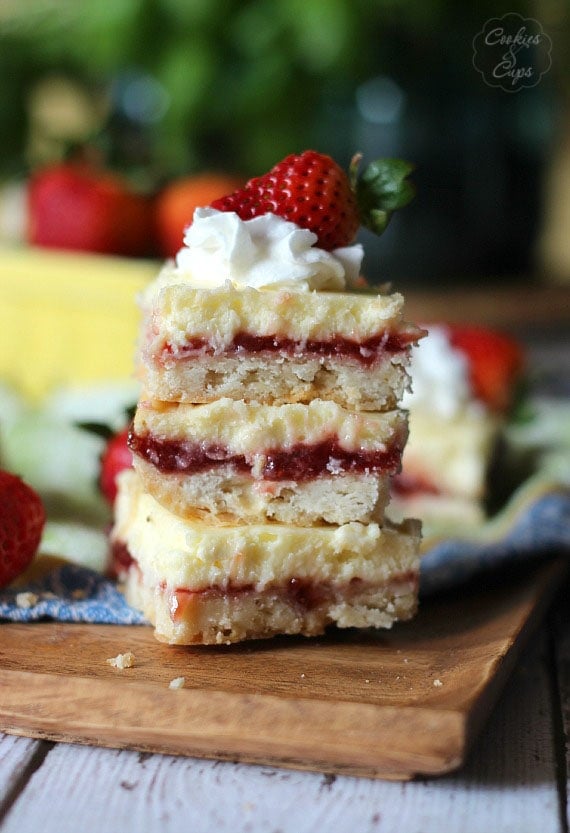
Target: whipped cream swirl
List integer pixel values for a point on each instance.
(264, 252)
(440, 377)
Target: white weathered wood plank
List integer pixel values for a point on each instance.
(15, 755)
(508, 785)
(562, 657)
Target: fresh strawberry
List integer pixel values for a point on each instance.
(78, 207)
(22, 519)
(116, 457)
(176, 202)
(312, 190)
(495, 363)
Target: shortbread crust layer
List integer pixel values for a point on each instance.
(214, 618)
(226, 496)
(278, 380)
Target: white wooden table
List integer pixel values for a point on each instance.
(516, 778)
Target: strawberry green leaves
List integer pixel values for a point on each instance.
(382, 188)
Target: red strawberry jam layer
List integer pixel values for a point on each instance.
(302, 593)
(407, 485)
(297, 462)
(366, 352)
(121, 559)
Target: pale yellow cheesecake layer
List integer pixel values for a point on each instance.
(179, 311)
(451, 455)
(197, 556)
(443, 515)
(250, 428)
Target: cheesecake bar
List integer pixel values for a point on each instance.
(236, 462)
(464, 384)
(444, 476)
(273, 346)
(199, 583)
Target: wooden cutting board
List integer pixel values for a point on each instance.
(384, 704)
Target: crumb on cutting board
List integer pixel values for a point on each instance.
(121, 661)
(177, 682)
(25, 600)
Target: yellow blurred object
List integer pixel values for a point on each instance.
(67, 317)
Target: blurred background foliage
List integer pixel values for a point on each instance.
(165, 88)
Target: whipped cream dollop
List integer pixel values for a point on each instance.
(440, 377)
(264, 252)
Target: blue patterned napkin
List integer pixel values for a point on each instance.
(539, 530)
(71, 593)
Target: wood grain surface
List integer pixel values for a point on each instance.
(389, 705)
(518, 307)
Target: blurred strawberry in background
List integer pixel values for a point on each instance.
(176, 202)
(77, 206)
(496, 361)
(116, 457)
(22, 520)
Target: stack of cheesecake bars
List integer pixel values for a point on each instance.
(264, 441)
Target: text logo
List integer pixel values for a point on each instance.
(512, 52)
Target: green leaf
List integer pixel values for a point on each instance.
(377, 220)
(382, 188)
